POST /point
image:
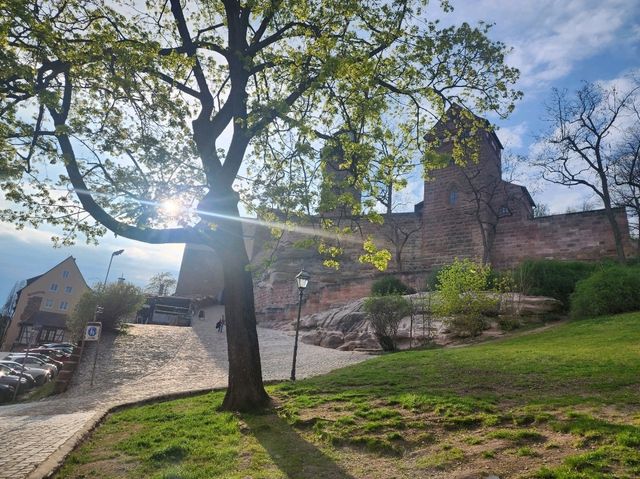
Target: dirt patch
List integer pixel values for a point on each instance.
(427, 446)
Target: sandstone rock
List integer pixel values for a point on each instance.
(347, 328)
(364, 345)
(312, 337)
(332, 340)
(521, 305)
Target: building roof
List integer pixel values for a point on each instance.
(454, 112)
(31, 280)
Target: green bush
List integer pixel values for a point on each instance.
(614, 289)
(431, 283)
(385, 313)
(389, 285)
(117, 301)
(553, 278)
(463, 296)
(508, 323)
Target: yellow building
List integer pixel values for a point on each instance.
(42, 305)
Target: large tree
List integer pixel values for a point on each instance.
(582, 144)
(112, 117)
(627, 168)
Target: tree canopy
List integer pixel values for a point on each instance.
(162, 284)
(144, 120)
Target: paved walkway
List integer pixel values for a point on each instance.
(147, 362)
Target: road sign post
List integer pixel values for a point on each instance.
(92, 333)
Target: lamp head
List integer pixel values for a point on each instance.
(117, 253)
(302, 279)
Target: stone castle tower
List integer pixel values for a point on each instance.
(465, 201)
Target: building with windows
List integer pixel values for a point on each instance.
(37, 308)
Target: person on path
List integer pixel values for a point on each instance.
(201, 315)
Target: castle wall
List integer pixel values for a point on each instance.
(585, 235)
(276, 295)
(279, 303)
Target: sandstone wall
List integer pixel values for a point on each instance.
(573, 236)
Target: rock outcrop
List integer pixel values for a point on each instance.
(347, 328)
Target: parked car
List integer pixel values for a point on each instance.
(40, 375)
(66, 347)
(34, 362)
(44, 357)
(6, 392)
(16, 372)
(56, 354)
(7, 377)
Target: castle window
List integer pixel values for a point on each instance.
(65, 274)
(453, 197)
(53, 287)
(504, 211)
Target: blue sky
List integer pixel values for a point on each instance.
(556, 43)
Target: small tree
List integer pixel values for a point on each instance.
(463, 297)
(117, 300)
(162, 284)
(385, 313)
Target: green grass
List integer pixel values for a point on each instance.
(563, 402)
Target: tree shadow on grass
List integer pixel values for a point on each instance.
(290, 452)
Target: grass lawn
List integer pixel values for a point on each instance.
(562, 403)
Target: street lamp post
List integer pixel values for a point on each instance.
(302, 279)
(115, 253)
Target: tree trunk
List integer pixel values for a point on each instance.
(615, 228)
(245, 390)
(617, 235)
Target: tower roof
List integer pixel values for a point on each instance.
(457, 114)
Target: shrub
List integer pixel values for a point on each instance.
(431, 283)
(385, 313)
(553, 278)
(508, 323)
(614, 289)
(117, 300)
(390, 285)
(463, 296)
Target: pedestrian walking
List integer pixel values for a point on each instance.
(201, 315)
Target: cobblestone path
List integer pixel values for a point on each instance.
(146, 362)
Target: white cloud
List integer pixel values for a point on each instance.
(512, 136)
(549, 37)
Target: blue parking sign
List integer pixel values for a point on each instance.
(92, 331)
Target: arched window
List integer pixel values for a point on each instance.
(453, 197)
